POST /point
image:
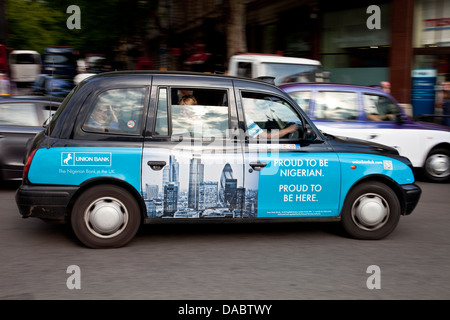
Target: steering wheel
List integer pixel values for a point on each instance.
(296, 134)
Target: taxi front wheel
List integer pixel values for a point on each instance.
(371, 211)
(105, 216)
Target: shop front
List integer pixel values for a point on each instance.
(431, 43)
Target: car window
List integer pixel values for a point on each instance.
(117, 111)
(18, 114)
(162, 124)
(302, 98)
(198, 113)
(379, 108)
(267, 114)
(244, 69)
(335, 105)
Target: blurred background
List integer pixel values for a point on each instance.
(409, 46)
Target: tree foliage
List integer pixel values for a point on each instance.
(31, 25)
(36, 24)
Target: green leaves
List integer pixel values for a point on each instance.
(35, 25)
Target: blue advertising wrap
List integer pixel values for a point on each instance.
(291, 185)
(298, 185)
(74, 165)
(307, 185)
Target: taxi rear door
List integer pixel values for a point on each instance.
(189, 152)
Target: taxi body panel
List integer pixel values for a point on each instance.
(158, 161)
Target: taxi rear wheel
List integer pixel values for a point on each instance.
(371, 211)
(105, 216)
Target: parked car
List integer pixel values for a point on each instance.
(21, 118)
(371, 114)
(126, 148)
(56, 85)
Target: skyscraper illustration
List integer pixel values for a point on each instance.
(170, 186)
(204, 192)
(196, 175)
(171, 172)
(227, 175)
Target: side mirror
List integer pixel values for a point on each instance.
(309, 134)
(400, 118)
(46, 122)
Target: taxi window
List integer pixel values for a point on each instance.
(18, 114)
(198, 113)
(302, 98)
(379, 108)
(117, 111)
(266, 115)
(333, 105)
(162, 125)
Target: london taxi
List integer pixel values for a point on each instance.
(126, 148)
(368, 113)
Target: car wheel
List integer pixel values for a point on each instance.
(371, 211)
(437, 165)
(105, 216)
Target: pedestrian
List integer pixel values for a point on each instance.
(5, 85)
(386, 86)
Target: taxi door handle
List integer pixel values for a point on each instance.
(373, 136)
(258, 165)
(156, 165)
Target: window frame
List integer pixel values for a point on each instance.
(224, 90)
(299, 113)
(364, 110)
(33, 108)
(92, 104)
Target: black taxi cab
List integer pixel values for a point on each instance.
(127, 148)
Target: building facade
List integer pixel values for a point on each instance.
(359, 42)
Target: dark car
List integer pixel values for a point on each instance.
(127, 148)
(21, 118)
(371, 114)
(55, 86)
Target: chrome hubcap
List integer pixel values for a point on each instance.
(106, 217)
(370, 211)
(438, 165)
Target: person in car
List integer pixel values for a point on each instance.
(187, 100)
(103, 117)
(255, 131)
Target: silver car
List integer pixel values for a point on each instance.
(20, 119)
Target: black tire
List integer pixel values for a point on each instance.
(371, 211)
(437, 166)
(105, 216)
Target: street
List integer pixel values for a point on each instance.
(298, 261)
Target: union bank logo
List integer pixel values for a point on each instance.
(86, 159)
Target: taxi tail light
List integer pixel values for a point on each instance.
(28, 164)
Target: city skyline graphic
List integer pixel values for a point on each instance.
(192, 188)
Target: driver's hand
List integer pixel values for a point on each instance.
(292, 128)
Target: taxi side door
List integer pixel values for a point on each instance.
(189, 150)
(290, 174)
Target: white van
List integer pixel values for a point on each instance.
(25, 65)
(281, 69)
